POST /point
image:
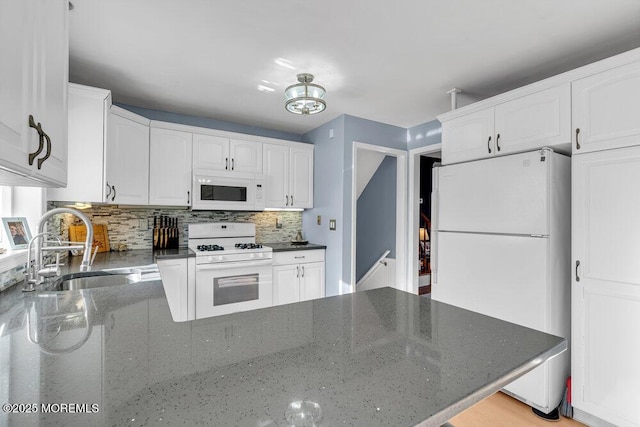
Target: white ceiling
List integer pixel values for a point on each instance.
(386, 61)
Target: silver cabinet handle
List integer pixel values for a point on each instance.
(292, 200)
(287, 203)
(297, 271)
(498, 142)
(303, 271)
(38, 128)
(577, 265)
(577, 141)
(299, 257)
(109, 193)
(188, 197)
(233, 164)
(114, 193)
(226, 163)
(489, 145)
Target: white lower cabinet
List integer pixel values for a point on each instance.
(605, 344)
(298, 276)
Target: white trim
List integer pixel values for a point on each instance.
(414, 193)
(401, 210)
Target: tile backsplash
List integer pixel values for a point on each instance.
(133, 226)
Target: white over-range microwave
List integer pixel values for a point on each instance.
(230, 191)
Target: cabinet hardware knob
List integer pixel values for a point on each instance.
(292, 200)
(226, 163)
(233, 164)
(489, 145)
(303, 271)
(114, 193)
(287, 202)
(577, 265)
(498, 141)
(577, 140)
(108, 188)
(188, 197)
(297, 271)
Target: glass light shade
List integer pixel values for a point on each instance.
(424, 235)
(305, 97)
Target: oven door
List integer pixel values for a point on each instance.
(232, 286)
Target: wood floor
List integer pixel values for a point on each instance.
(501, 410)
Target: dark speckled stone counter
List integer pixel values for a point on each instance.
(282, 247)
(375, 358)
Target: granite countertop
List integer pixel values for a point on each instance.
(377, 358)
(288, 246)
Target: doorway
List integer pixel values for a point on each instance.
(420, 235)
(378, 228)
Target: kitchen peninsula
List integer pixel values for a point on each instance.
(380, 357)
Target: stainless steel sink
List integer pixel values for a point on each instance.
(92, 279)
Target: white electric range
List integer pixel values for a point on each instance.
(233, 273)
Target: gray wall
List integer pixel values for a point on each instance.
(376, 217)
(209, 123)
(332, 188)
(327, 198)
(425, 134)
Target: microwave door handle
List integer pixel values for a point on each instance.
(227, 266)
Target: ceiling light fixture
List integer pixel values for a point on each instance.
(305, 98)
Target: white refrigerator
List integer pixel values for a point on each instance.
(502, 247)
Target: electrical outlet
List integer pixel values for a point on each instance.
(330, 133)
(278, 221)
(319, 219)
(143, 224)
(332, 224)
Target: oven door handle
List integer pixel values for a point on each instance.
(228, 266)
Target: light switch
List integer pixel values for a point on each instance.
(332, 224)
(319, 219)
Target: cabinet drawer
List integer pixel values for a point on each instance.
(298, 257)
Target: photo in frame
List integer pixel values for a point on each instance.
(17, 232)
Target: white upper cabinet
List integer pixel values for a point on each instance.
(533, 121)
(88, 114)
(127, 158)
(468, 137)
(34, 49)
(217, 153)
(288, 170)
(540, 119)
(170, 158)
(605, 109)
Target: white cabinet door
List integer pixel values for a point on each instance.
(88, 113)
(605, 109)
(246, 156)
(16, 49)
(286, 284)
(539, 119)
(34, 70)
(276, 171)
(469, 137)
(169, 167)
(311, 281)
(52, 63)
(606, 284)
(127, 161)
(301, 177)
(211, 152)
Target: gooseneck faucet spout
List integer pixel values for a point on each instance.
(36, 272)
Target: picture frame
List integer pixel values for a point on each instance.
(17, 232)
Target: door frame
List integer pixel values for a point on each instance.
(411, 278)
(401, 210)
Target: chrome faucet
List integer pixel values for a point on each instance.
(37, 272)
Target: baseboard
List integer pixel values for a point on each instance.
(589, 419)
